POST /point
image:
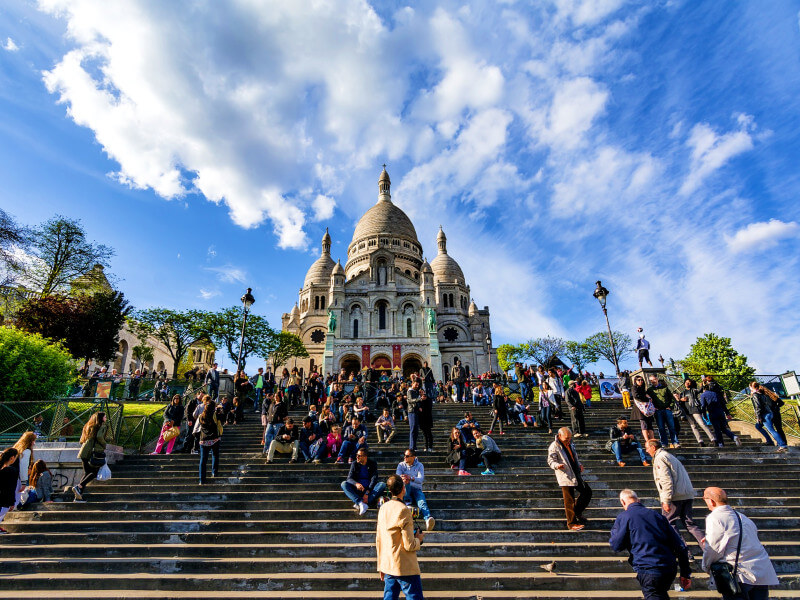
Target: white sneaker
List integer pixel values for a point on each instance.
(362, 509)
(357, 505)
(430, 523)
(737, 441)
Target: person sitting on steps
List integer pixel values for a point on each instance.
(412, 472)
(362, 485)
(623, 441)
(287, 440)
(313, 442)
(490, 453)
(354, 438)
(385, 427)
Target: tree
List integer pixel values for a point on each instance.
(285, 346)
(224, 329)
(32, 367)
(87, 325)
(580, 354)
(715, 355)
(176, 330)
(600, 345)
(508, 354)
(543, 350)
(62, 253)
(12, 238)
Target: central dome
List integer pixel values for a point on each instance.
(384, 217)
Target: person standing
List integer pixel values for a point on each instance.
(9, 481)
(689, 405)
(710, 402)
(499, 409)
(94, 437)
(575, 403)
(412, 473)
(397, 544)
(653, 546)
(413, 401)
(425, 418)
(733, 538)
(675, 490)
(212, 381)
(275, 415)
(257, 381)
(563, 459)
(764, 413)
(428, 380)
(665, 420)
(459, 376)
(211, 426)
(643, 350)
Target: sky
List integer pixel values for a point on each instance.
(650, 144)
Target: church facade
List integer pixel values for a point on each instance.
(387, 307)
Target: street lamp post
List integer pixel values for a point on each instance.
(247, 301)
(601, 294)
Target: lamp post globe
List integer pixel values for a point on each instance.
(247, 301)
(601, 294)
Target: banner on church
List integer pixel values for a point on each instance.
(365, 356)
(396, 356)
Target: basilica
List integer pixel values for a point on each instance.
(388, 307)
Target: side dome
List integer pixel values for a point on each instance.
(445, 268)
(320, 270)
(338, 269)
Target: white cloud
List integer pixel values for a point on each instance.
(576, 104)
(323, 207)
(10, 45)
(711, 151)
(759, 236)
(587, 12)
(208, 294)
(229, 274)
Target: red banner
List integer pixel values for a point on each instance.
(365, 356)
(396, 355)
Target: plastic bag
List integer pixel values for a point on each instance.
(104, 473)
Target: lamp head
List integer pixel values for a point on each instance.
(601, 294)
(248, 299)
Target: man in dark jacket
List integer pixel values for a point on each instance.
(623, 441)
(362, 485)
(428, 380)
(354, 438)
(312, 441)
(663, 400)
(459, 376)
(575, 403)
(653, 546)
(276, 412)
(286, 440)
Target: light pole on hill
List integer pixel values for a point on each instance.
(601, 294)
(248, 301)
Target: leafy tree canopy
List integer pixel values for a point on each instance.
(88, 325)
(600, 345)
(542, 350)
(12, 237)
(508, 354)
(224, 329)
(580, 354)
(62, 253)
(285, 347)
(176, 330)
(32, 367)
(715, 355)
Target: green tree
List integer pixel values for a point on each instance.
(284, 347)
(12, 237)
(600, 345)
(508, 354)
(580, 354)
(176, 330)
(224, 329)
(62, 253)
(542, 350)
(32, 367)
(87, 325)
(715, 355)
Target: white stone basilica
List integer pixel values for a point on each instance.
(387, 307)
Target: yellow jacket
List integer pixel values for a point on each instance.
(395, 541)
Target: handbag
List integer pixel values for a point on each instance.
(648, 409)
(98, 459)
(171, 433)
(723, 574)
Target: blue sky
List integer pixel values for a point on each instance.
(652, 145)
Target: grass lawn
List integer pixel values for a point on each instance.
(142, 408)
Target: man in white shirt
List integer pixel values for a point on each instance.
(754, 570)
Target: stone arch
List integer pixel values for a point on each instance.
(122, 356)
(445, 372)
(161, 366)
(382, 362)
(350, 363)
(382, 314)
(412, 363)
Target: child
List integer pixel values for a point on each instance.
(41, 484)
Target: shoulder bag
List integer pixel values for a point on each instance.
(723, 574)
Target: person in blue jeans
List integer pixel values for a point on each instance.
(624, 442)
(663, 400)
(362, 485)
(312, 441)
(354, 438)
(764, 418)
(412, 473)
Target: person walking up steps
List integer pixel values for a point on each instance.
(563, 459)
(94, 437)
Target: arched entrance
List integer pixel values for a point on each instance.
(351, 364)
(122, 356)
(411, 364)
(382, 364)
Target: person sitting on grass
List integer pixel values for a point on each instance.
(490, 453)
(362, 485)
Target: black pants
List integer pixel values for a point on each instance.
(682, 512)
(89, 473)
(750, 592)
(655, 586)
(490, 458)
(578, 422)
(427, 431)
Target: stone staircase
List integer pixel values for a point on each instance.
(287, 531)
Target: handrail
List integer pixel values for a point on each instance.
(18, 417)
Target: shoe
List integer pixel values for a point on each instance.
(489, 432)
(464, 473)
(153, 453)
(737, 441)
(356, 505)
(430, 523)
(782, 449)
(308, 460)
(3, 531)
(676, 446)
(201, 483)
(269, 462)
(549, 431)
(621, 464)
(488, 472)
(317, 461)
(195, 452)
(576, 527)
(292, 460)
(339, 461)
(646, 463)
(720, 446)
(362, 509)
(77, 491)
